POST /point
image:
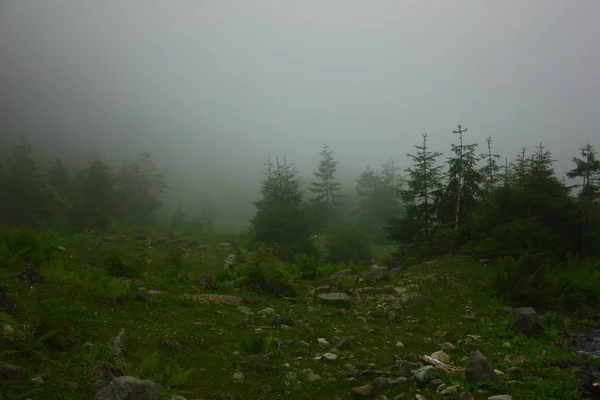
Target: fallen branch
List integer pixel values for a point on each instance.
(437, 363)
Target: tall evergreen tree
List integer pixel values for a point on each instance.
(463, 188)
(490, 171)
(280, 221)
(587, 168)
(326, 191)
(418, 198)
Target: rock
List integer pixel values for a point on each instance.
(480, 369)
(37, 380)
(104, 373)
(322, 341)
(238, 377)
(384, 383)
(8, 370)
(405, 368)
(29, 273)
(447, 347)
(312, 377)
(340, 299)
(376, 274)
(285, 320)
(362, 392)
(441, 356)
(245, 310)
(330, 356)
(399, 344)
(267, 312)
(206, 283)
(526, 321)
(344, 344)
(467, 396)
(239, 283)
(449, 390)
(435, 383)
(129, 388)
(7, 301)
(257, 358)
(425, 374)
(321, 290)
(229, 261)
(501, 397)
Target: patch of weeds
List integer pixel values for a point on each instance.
(258, 344)
(308, 266)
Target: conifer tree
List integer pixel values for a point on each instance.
(490, 171)
(280, 221)
(418, 198)
(326, 191)
(463, 188)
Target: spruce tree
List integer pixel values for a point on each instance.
(326, 191)
(423, 185)
(280, 221)
(490, 171)
(463, 187)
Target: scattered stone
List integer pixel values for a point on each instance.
(467, 396)
(344, 344)
(229, 261)
(450, 390)
(322, 341)
(206, 283)
(405, 368)
(29, 273)
(87, 345)
(526, 321)
(506, 345)
(441, 356)
(501, 397)
(321, 290)
(330, 356)
(376, 273)
(399, 344)
(447, 347)
(285, 320)
(267, 312)
(104, 373)
(435, 383)
(129, 388)
(480, 369)
(240, 282)
(425, 374)
(257, 358)
(238, 377)
(37, 380)
(245, 310)
(362, 392)
(340, 299)
(384, 383)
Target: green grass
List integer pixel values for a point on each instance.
(192, 349)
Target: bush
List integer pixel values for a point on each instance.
(308, 266)
(266, 274)
(573, 286)
(348, 245)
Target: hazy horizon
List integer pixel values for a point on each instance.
(214, 88)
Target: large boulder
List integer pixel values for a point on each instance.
(129, 388)
(340, 299)
(480, 369)
(526, 321)
(376, 273)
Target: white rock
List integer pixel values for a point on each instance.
(267, 312)
(322, 341)
(238, 377)
(330, 356)
(399, 344)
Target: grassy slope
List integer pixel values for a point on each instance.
(89, 306)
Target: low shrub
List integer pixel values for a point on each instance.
(348, 245)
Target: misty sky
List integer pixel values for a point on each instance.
(213, 88)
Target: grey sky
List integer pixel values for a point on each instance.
(228, 83)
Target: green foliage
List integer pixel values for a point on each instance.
(258, 344)
(20, 246)
(308, 266)
(280, 221)
(267, 275)
(571, 287)
(325, 202)
(348, 245)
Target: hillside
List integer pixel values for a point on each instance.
(166, 311)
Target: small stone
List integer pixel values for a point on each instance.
(454, 389)
(425, 374)
(399, 344)
(447, 347)
(37, 380)
(384, 383)
(506, 345)
(435, 383)
(526, 321)
(330, 356)
(312, 377)
(267, 312)
(362, 392)
(238, 377)
(501, 397)
(245, 310)
(480, 369)
(441, 356)
(87, 345)
(322, 341)
(340, 299)
(283, 320)
(344, 344)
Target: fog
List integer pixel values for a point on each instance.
(213, 88)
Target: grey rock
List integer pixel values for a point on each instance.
(344, 344)
(384, 383)
(480, 369)
(376, 273)
(501, 397)
(129, 388)
(405, 368)
(283, 320)
(526, 321)
(426, 374)
(340, 299)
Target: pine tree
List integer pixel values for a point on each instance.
(418, 198)
(490, 171)
(588, 169)
(280, 221)
(326, 191)
(463, 188)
